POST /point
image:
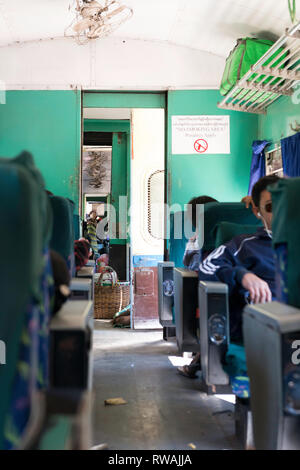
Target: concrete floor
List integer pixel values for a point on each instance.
(164, 410)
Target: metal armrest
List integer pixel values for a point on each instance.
(166, 293)
(60, 420)
(272, 338)
(91, 262)
(81, 289)
(71, 335)
(86, 272)
(214, 331)
(185, 306)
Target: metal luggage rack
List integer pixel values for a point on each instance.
(264, 84)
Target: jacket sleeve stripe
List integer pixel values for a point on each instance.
(242, 244)
(207, 267)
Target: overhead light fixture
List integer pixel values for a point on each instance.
(96, 19)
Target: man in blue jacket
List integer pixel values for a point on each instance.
(246, 263)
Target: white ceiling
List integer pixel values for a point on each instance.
(167, 44)
(207, 25)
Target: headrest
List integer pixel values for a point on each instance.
(21, 260)
(62, 238)
(177, 245)
(216, 212)
(225, 231)
(25, 160)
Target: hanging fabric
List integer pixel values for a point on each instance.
(290, 150)
(258, 164)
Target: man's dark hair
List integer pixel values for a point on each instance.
(199, 200)
(261, 185)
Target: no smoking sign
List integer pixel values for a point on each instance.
(200, 145)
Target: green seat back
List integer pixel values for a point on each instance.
(225, 231)
(177, 240)
(286, 230)
(215, 212)
(76, 222)
(21, 239)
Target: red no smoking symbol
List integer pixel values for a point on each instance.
(200, 145)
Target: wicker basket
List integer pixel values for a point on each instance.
(109, 300)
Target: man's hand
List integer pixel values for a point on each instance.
(248, 201)
(258, 289)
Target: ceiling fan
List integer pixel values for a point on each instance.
(95, 19)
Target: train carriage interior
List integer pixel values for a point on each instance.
(150, 227)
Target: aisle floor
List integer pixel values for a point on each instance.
(164, 410)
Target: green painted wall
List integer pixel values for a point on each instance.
(275, 124)
(124, 99)
(47, 124)
(225, 177)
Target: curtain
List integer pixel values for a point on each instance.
(290, 150)
(258, 166)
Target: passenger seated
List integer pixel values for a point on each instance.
(245, 264)
(191, 260)
(82, 251)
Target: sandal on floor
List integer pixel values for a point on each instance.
(186, 372)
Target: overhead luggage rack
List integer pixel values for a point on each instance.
(263, 84)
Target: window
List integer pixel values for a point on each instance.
(274, 162)
(155, 198)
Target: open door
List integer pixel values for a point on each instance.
(147, 212)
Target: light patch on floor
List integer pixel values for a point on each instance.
(164, 410)
(178, 361)
(227, 398)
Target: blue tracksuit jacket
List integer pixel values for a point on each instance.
(228, 264)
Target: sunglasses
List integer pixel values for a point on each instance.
(268, 207)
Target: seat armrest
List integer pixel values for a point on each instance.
(60, 420)
(71, 336)
(165, 276)
(214, 331)
(86, 271)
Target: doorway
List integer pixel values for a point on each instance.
(136, 226)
